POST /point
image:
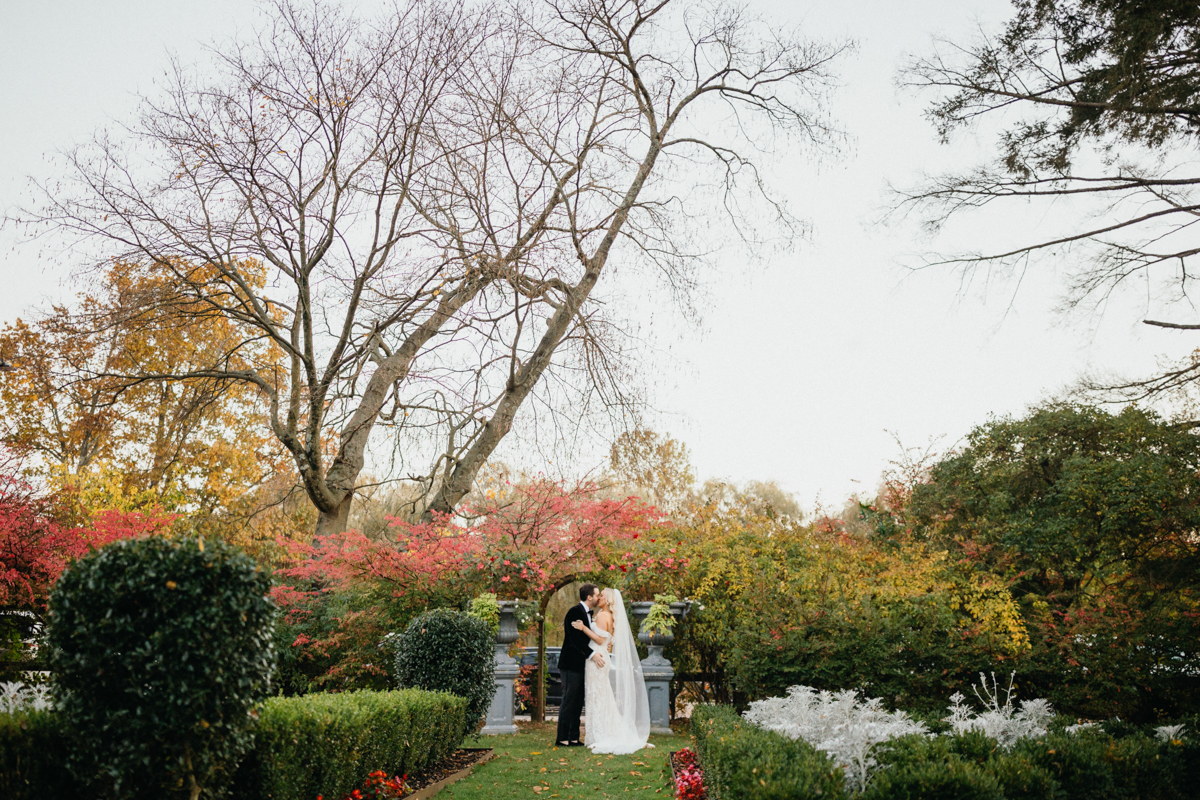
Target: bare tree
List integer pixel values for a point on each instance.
(1095, 113)
(435, 198)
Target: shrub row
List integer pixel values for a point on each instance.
(321, 744)
(33, 756)
(745, 762)
(742, 761)
(1089, 765)
(327, 744)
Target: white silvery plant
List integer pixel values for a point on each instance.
(840, 724)
(16, 697)
(1169, 733)
(1003, 722)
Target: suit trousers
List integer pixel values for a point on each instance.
(572, 706)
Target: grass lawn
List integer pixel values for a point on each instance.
(527, 766)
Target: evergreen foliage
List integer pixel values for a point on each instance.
(327, 744)
(160, 650)
(449, 651)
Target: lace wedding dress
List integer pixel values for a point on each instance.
(618, 710)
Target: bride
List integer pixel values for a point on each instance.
(618, 710)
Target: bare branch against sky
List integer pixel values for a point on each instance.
(806, 359)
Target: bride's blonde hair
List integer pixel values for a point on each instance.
(607, 594)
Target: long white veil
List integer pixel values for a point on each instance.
(629, 687)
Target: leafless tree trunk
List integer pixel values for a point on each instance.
(432, 201)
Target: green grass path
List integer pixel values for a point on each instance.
(528, 767)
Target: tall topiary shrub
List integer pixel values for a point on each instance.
(449, 651)
(160, 650)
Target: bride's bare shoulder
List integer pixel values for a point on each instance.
(605, 620)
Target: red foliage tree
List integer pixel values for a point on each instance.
(538, 537)
(35, 548)
(545, 535)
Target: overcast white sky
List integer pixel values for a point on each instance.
(804, 364)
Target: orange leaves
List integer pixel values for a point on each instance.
(131, 443)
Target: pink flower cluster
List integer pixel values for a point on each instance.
(689, 778)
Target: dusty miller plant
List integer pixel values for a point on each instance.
(1169, 733)
(1005, 723)
(16, 697)
(840, 724)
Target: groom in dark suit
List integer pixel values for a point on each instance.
(571, 661)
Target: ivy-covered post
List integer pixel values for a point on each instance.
(506, 670)
(655, 621)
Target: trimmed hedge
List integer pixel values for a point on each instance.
(318, 744)
(450, 651)
(743, 762)
(160, 649)
(327, 744)
(33, 753)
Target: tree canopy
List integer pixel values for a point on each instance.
(1070, 499)
(1094, 106)
(435, 196)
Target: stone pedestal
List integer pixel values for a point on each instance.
(500, 713)
(656, 669)
(658, 673)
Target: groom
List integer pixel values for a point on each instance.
(571, 661)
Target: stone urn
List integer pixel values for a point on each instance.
(656, 669)
(657, 641)
(506, 670)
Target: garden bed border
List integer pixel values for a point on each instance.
(433, 788)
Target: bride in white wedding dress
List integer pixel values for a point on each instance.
(618, 710)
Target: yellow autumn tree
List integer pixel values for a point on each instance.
(199, 447)
(777, 603)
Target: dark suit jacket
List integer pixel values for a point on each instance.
(575, 646)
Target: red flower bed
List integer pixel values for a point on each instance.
(379, 785)
(689, 778)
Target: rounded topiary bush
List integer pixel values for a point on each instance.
(449, 651)
(160, 649)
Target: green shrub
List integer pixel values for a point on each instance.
(972, 745)
(33, 756)
(912, 750)
(449, 651)
(1078, 763)
(327, 744)
(487, 608)
(954, 779)
(742, 761)
(1021, 779)
(160, 649)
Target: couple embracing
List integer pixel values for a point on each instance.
(599, 664)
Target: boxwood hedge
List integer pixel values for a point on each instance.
(742, 761)
(304, 747)
(327, 744)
